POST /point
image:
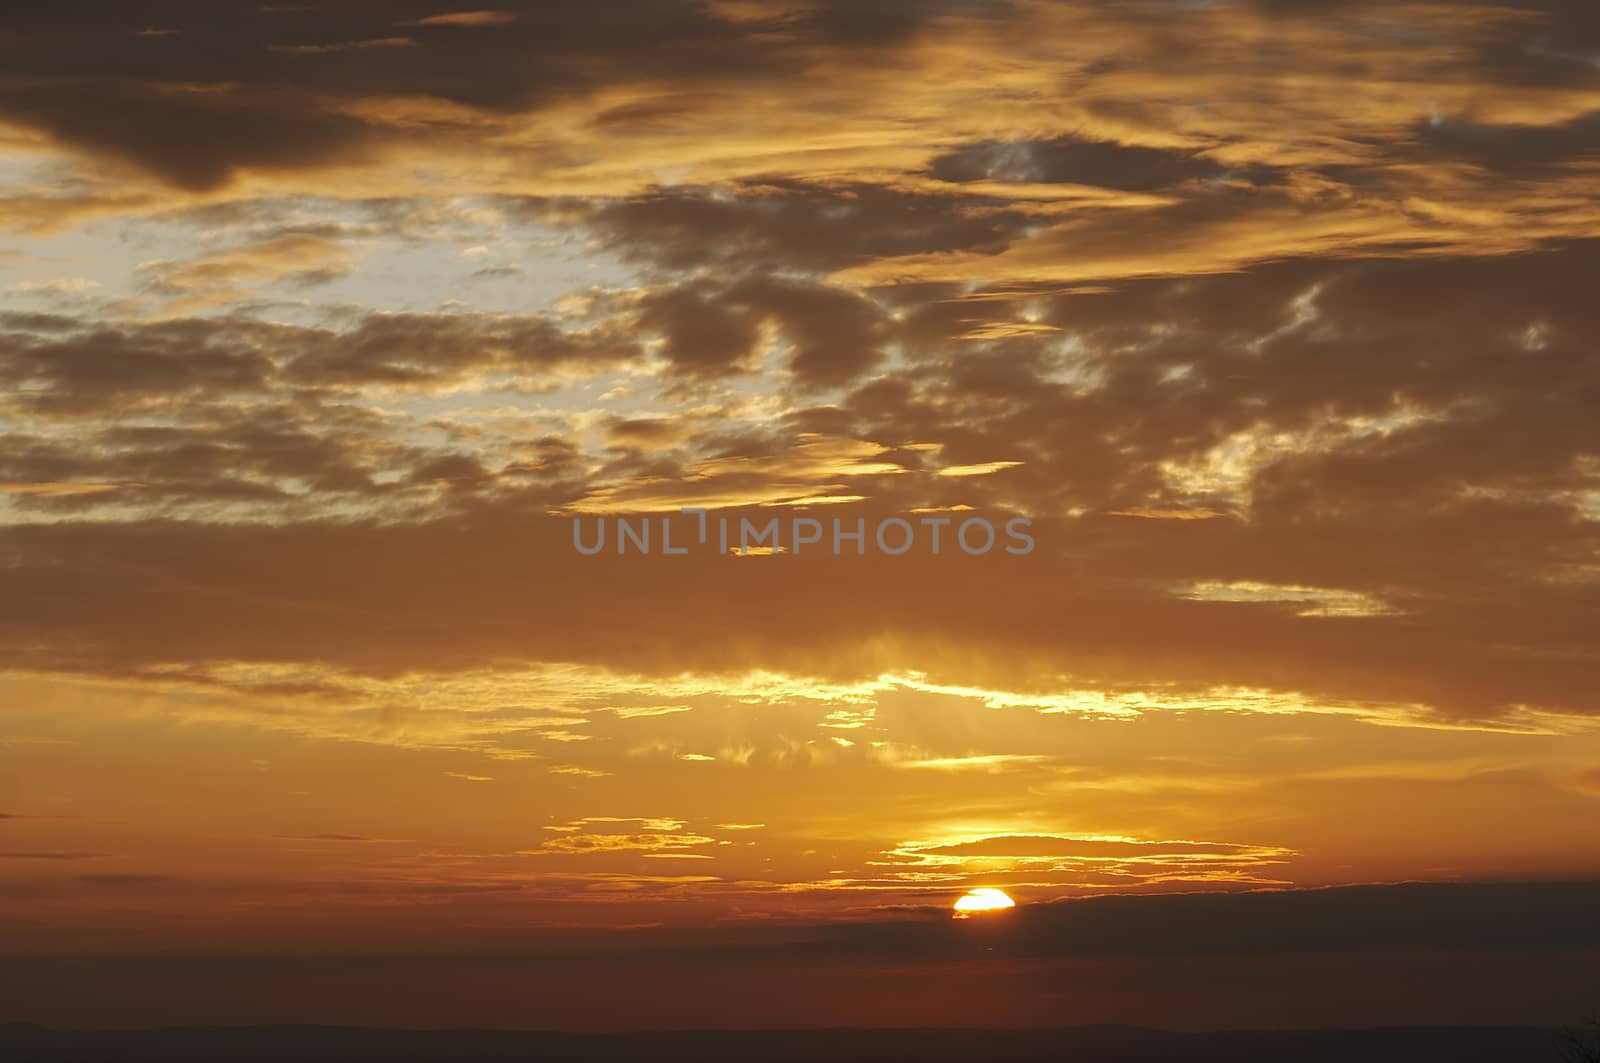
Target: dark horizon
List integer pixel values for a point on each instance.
(1095, 1044)
(1444, 954)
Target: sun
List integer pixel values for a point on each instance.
(982, 900)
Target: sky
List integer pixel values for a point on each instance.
(324, 327)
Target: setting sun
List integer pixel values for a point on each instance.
(983, 899)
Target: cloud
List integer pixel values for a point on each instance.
(657, 836)
(1524, 151)
(619, 843)
(266, 91)
(1343, 414)
(979, 469)
(62, 367)
(223, 277)
(817, 228)
(1052, 846)
(195, 137)
(1108, 164)
(341, 838)
(467, 18)
(1309, 601)
(988, 762)
(801, 470)
(344, 46)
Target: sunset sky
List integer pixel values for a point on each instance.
(321, 323)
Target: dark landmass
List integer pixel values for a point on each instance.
(1085, 1044)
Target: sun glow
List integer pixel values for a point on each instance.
(981, 900)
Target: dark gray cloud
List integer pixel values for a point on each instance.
(807, 227)
(1524, 151)
(1069, 160)
(194, 139)
(833, 334)
(58, 367)
(123, 81)
(702, 336)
